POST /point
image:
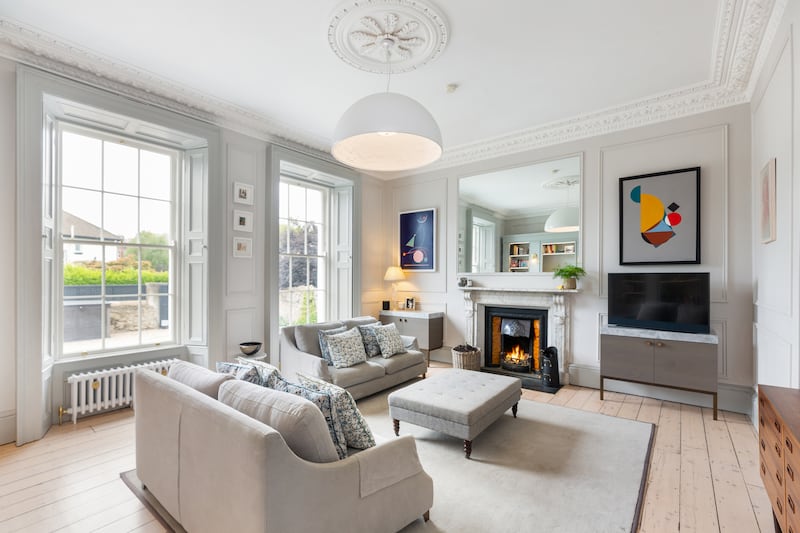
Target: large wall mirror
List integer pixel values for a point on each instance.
(520, 220)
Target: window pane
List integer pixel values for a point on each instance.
(299, 271)
(315, 209)
(297, 238)
(283, 193)
(160, 306)
(81, 216)
(82, 310)
(297, 202)
(120, 168)
(120, 214)
(312, 238)
(312, 272)
(283, 236)
(155, 175)
(283, 272)
(154, 225)
(307, 307)
(80, 161)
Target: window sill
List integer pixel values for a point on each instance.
(127, 356)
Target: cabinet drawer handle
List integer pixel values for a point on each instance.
(790, 501)
(789, 445)
(648, 343)
(763, 446)
(779, 478)
(790, 471)
(763, 469)
(780, 506)
(778, 449)
(761, 420)
(777, 426)
(761, 400)
(659, 344)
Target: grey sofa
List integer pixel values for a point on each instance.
(214, 468)
(300, 352)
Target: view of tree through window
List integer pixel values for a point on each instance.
(302, 246)
(116, 226)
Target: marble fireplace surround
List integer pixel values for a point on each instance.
(476, 299)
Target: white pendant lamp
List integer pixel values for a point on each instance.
(562, 220)
(387, 132)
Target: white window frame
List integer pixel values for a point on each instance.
(176, 208)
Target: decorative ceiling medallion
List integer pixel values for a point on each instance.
(412, 33)
(564, 182)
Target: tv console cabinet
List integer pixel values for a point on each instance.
(683, 361)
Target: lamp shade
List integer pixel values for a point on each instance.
(387, 132)
(562, 220)
(394, 273)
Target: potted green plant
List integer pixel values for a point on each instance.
(569, 274)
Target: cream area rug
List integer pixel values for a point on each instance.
(551, 469)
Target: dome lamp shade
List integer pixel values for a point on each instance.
(562, 220)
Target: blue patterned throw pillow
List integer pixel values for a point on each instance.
(347, 349)
(356, 430)
(389, 340)
(323, 341)
(371, 345)
(269, 374)
(324, 402)
(243, 372)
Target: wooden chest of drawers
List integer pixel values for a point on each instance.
(779, 453)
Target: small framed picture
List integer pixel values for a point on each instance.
(243, 193)
(242, 247)
(243, 221)
(411, 304)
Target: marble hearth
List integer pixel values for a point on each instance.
(555, 301)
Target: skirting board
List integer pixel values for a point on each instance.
(8, 427)
(735, 398)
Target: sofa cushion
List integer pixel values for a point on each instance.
(389, 340)
(324, 403)
(298, 420)
(269, 374)
(240, 371)
(371, 345)
(347, 349)
(356, 430)
(323, 341)
(197, 377)
(399, 362)
(360, 373)
(360, 321)
(306, 336)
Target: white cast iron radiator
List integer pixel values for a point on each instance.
(110, 388)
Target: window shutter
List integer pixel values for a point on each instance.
(195, 251)
(342, 248)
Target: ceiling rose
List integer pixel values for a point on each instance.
(412, 32)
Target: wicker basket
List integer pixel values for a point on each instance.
(467, 360)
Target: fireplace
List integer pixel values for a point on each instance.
(514, 340)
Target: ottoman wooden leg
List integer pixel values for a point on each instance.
(426, 515)
(467, 448)
(396, 427)
(514, 409)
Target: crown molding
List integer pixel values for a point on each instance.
(745, 30)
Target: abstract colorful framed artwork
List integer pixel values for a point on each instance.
(418, 240)
(659, 218)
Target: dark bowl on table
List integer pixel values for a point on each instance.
(250, 348)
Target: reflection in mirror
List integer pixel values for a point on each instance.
(523, 219)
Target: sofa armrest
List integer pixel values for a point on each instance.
(409, 342)
(293, 360)
(387, 463)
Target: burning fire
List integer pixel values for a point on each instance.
(516, 355)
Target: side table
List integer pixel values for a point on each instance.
(259, 356)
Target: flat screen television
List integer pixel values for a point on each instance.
(671, 301)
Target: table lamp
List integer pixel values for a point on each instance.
(394, 274)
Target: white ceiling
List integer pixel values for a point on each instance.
(529, 72)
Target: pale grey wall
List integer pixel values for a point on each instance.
(776, 115)
(718, 142)
(8, 221)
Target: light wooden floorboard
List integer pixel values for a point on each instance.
(703, 474)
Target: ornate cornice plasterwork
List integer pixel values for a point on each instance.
(745, 27)
(39, 49)
(378, 35)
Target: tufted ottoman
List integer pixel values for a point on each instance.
(459, 403)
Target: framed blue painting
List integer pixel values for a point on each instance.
(418, 240)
